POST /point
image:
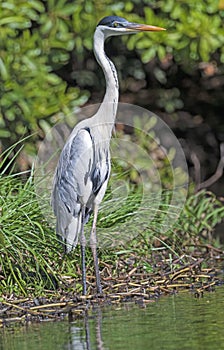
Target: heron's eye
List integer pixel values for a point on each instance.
(115, 24)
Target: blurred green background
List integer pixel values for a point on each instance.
(47, 68)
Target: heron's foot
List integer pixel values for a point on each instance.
(100, 298)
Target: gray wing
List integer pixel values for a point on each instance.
(72, 186)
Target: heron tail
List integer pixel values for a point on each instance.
(69, 232)
(72, 233)
(73, 230)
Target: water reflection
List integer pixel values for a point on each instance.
(177, 322)
(80, 336)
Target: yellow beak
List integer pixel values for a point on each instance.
(143, 27)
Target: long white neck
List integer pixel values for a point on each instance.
(108, 108)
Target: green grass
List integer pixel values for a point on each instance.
(27, 244)
(32, 260)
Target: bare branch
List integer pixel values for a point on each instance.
(216, 176)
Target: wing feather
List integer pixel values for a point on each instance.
(80, 180)
(72, 186)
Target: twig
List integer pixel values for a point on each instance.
(218, 173)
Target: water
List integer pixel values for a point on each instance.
(177, 322)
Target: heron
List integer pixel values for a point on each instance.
(83, 168)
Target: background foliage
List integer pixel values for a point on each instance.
(47, 66)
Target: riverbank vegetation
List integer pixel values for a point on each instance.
(47, 72)
(39, 282)
(32, 259)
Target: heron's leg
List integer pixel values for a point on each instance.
(83, 249)
(93, 244)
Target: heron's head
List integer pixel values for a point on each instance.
(114, 25)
